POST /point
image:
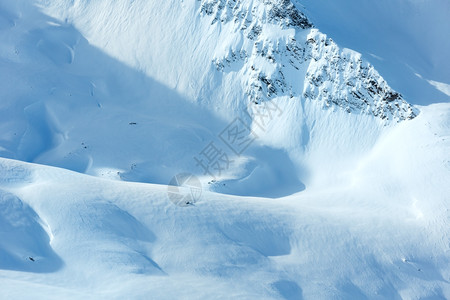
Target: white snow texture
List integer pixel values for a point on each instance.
(309, 176)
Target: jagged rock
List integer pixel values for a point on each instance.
(332, 76)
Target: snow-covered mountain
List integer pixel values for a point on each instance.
(242, 59)
(337, 186)
(266, 44)
(266, 49)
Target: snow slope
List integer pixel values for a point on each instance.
(342, 191)
(382, 235)
(262, 50)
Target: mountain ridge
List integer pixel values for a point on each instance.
(361, 90)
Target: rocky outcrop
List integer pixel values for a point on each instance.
(282, 54)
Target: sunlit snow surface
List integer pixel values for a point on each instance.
(321, 204)
(381, 233)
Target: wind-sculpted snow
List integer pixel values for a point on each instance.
(382, 233)
(275, 51)
(24, 237)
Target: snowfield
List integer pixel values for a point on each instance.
(382, 234)
(326, 182)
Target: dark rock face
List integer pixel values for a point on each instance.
(282, 12)
(285, 12)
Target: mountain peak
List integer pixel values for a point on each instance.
(273, 64)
